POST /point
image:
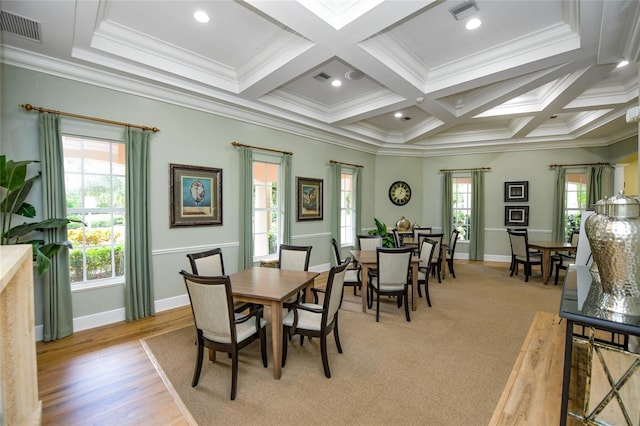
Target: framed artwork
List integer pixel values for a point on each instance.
(516, 215)
(309, 198)
(516, 191)
(195, 195)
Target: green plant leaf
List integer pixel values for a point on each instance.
(43, 262)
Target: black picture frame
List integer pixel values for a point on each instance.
(195, 195)
(309, 196)
(516, 191)
(516, 215)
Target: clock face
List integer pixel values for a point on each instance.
(399, 193)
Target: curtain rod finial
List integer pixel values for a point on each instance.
(28, 107)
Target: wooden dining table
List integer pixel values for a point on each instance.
(546, 247)
(369, 259)
(272, 287)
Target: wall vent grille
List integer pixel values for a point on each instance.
(20, 26)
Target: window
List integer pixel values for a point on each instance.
(266, 212)
(461, 208)
(576, 202)
(95, 190)
(347, 209)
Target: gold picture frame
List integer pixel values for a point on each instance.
(195, 195)
(309, 196)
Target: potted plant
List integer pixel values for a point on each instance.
(381, 229)
(14, 189)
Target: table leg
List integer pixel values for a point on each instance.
(276, 337)
(365, 277)
(414, 286)
(443, 255)
(546, 256)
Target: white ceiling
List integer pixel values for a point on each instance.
(491, 89)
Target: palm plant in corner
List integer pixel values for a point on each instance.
(14, 189)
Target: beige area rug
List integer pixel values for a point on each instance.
(448, 366)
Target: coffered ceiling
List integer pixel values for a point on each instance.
(536, 74)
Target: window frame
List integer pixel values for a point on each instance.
(464, 228)
(279, 209)
(580, 198)
(87, 284)
(344, 194)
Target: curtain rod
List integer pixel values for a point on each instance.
(346, 164)
(30, 107)
(551, 166)
(264, 149)
(465, 170)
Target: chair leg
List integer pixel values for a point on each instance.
(450, 264)
(377, 307)
(325, 358)
(234, 375)
(196, 372)
(336, 335)
(285, 344)
(420, 291)
(406, 304)
(426, 291)
(555, 281)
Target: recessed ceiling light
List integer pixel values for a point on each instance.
(201, 16)
(622, 63)
(336, 83)
(398, 115)
(473, 23)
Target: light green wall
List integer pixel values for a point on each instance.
(188, 136)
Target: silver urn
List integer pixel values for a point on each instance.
(613, 232)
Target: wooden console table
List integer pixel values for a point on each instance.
(19, 384)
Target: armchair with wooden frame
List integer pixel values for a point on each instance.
(427, 247)
(521, 254)
(392, 279)
(314, 320)
(218, 327)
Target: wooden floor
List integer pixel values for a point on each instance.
(103, 376)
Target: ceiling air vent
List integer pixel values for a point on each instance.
(19, 26)
(354, 75)
(406, 118)
(464, 10)
(322, 76)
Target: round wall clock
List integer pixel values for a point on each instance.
(399, 193)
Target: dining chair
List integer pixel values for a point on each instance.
(210, 263)
(392, 279)
(532, 251)
(436, 262)
(397, 239)
(218, 327)
(294, 258)
(352, 275)
(369, 242)
(314, 320)
(427, 247)
(421, 230)
(555, 259)
(451, 250)
(520, 254)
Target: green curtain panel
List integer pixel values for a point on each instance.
(357, 174)
(138, 276)
(595, 187)
(558, 221)
(56, 289)
(287, 199)
(476, 244)
(447, 204)
(336, 172)
(245, 257)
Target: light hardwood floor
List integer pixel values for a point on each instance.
(103, 375)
